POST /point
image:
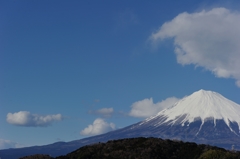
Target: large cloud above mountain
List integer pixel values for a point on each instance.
(209, 39)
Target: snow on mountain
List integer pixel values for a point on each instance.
(204, 117)
(203, 105)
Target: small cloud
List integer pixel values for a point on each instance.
(97, 100)
(25, 118)
(125, 19)
(99, 126)
(209, 39)
(6, 144)
(146, 108)
(105, 112)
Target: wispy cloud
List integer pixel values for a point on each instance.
(126, 19)
(99, 126)
(209, 39)
(25, 118)
(104, 112)
(146, 108)
(5, 144)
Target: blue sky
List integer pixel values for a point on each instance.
(72, 69)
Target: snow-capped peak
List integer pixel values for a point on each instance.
(204, 105)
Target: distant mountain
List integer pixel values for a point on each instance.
(203, 117)
(146, 148)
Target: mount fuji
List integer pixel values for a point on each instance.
(204, 117)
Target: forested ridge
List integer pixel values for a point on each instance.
(146, 148)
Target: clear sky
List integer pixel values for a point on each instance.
(73, 69)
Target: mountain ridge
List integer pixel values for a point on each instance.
(145, 148)
(214, 132)
(204, 105)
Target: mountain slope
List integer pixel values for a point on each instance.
(204, 105)
(202, 117)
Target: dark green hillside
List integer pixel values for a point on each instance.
(148, 148)
(38, 156)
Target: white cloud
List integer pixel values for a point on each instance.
(146, 108)
(99, 126)
(25, 118)
(105, 112)
(5, 144)
(209, 39)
